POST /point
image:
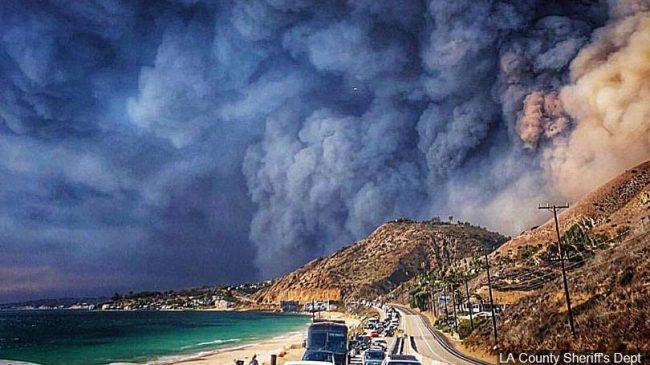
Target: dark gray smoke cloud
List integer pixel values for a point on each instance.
(163, 144)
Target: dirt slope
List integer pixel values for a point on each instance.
(622, 202)
(606, 237)
(392, 254)
(610, 296)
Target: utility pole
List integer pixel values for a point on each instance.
(329, 315)
(434, 304)
(555, 208)
(453, 303)
(444, 293)
(494, 318)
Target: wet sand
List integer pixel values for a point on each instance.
(287, 347)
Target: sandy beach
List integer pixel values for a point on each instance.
(287, 347)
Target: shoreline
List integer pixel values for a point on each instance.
(286, 346)
(279, 345)
(252, 337)
(206, 309)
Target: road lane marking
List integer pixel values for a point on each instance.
(424, 339)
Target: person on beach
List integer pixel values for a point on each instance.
(254, 360)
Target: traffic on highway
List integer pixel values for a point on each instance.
(397, 336)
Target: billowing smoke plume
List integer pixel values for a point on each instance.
(186, 142)
(448, 105)
(543, 118)
(610, 101)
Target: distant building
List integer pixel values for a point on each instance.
(318, 306)
(290, 305)
(498, 308)
(484, 308)
(223, 304)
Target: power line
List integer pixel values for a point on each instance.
(524, 279)
(494, 319)
(532, 280)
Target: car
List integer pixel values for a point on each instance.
(381, 343)
(373, 362)
(305, 362)
(374, 334)
(373, 355)
(319, 356)
(353, 345)
(364, 342)
(401, 360)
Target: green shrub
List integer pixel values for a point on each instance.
(464, 328)
(527, 252)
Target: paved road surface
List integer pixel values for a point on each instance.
(428, 344)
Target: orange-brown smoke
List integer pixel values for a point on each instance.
(543, 118)
(609, 101)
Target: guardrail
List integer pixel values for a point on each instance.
(444, 342)
(398, 347)
(413, 345)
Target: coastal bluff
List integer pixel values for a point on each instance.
(378, 264)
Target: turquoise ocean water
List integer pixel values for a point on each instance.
(97, 338)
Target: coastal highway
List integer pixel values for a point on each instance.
(429, 343)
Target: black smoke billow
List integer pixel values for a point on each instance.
(189, 142)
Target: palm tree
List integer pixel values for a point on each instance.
(465, 276)
(453, 278)
(419, 293)
(435, 285)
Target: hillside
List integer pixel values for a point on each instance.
(620, 204)
(607, 241)
(617, 210)
(395, 252)
(610, 296)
